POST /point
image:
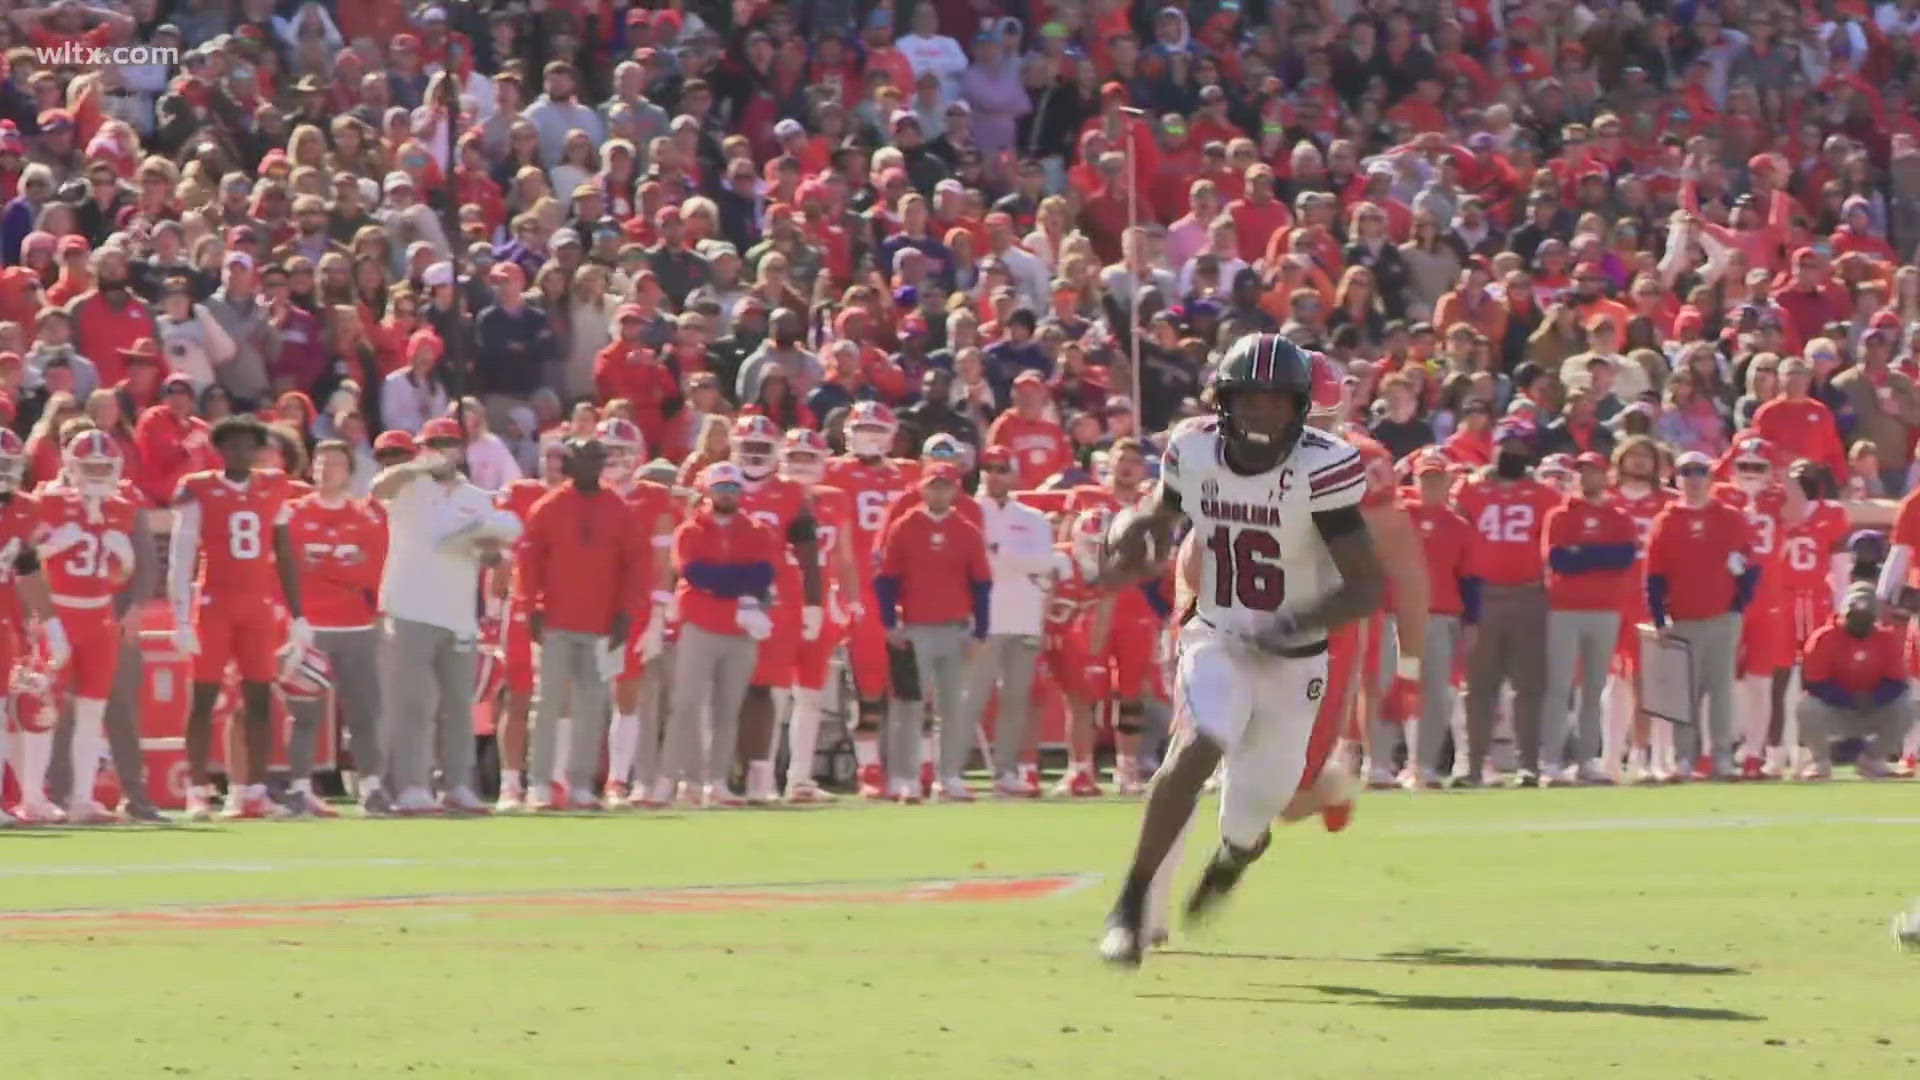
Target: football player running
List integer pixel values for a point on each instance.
(1288, 558)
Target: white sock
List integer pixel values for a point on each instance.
(866, 750)
(1752, 697)
(1080, 767)
(369, 784)
(623, 742)
(759, 779)
(89, 740)
(32, 755)
(803, 736)
(1124, 769)
(1616, 711)
(509, 778)
(302, 786)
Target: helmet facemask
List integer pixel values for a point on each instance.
(756, 457)
(869, 440)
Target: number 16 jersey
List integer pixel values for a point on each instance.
(1261, 551)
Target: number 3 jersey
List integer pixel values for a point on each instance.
(234, 524)
(1260, 548)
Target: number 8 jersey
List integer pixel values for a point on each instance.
(235, 525)
(1261, 549)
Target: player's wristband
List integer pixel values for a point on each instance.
(662, 597)
(1407, 667)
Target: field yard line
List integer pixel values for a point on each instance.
(930, 887)
(1680, 824)
(275, 866)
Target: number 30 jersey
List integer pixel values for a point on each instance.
(235, 525)
(1260, 549)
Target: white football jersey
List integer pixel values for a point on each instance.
(1260, 550)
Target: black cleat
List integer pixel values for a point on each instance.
(375, 803)
(1222, 874)
(1463, 782)
(144, 813)
(1124, 942)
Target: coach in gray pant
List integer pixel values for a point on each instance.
(440, 531)
(580, 571)
(724, 564)
(1699, 578)
(1021, 553)
(1590, 555)
(935, 590)
(1856, 685)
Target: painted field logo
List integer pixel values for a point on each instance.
(695, 900)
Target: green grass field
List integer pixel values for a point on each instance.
(1689, 932)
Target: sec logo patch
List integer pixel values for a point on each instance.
(1316, 687)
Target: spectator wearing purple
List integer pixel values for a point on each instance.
(993, 86)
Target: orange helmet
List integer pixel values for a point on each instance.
(804, 457)
(625, 446)
(94, 463)
(305, 672)
(756, 445)
(1088, 535)
(870, 429)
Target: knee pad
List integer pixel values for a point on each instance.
(903, 673)
(1127, 718)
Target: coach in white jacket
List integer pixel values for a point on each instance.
(440, 529)
(1020, 552)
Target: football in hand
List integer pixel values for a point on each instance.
(1132, 548)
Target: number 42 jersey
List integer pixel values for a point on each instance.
(1261, 551)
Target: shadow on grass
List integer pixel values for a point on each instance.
(1379, 999)
(1442, 957)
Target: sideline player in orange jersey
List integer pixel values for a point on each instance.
(1638, 494)
(1815, 529)
(1767, 644)
(872, 481)
(515, 641)
(86, 547)
(230, 548)
(1079, 618)
(633, 739)
(341, 542)
(782, 505)
(803, 460)
(24, 594)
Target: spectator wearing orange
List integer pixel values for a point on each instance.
(172, 440)
(1037, 441)
(625, 368)
(76, 275)
(1259, 215)
(1470, 302)
(1798, 425)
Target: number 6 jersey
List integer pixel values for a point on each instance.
(1261, 549)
